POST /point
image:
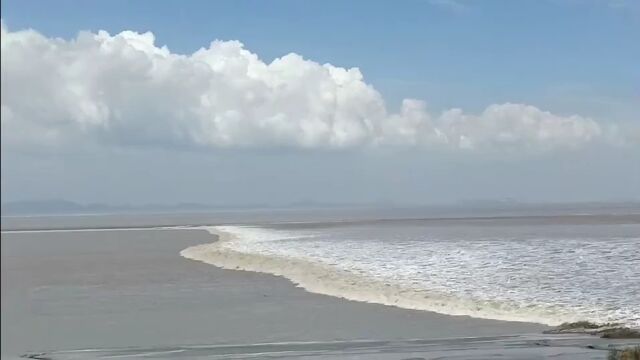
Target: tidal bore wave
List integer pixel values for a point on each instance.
(318, 277)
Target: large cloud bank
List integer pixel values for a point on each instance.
(125, 90)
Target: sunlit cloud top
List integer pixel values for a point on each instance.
(123, 89)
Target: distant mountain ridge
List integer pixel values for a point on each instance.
(66, 207)
(46, 207)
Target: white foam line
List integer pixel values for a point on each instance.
(145, 354)
(323, 279)
(99, 229)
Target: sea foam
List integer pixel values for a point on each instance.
(395, 273)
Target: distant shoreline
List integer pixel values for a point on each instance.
(604, 218)
(56, 208)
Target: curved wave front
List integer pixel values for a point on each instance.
(324, 279)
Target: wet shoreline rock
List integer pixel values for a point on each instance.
(607, 331)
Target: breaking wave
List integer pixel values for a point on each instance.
(237, 248)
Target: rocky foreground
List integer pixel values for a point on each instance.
(607, 331)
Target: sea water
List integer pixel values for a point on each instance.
(545, 269)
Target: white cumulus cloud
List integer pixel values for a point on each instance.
(125, 90)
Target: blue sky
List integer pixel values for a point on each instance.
(468, 54)
(557, 57)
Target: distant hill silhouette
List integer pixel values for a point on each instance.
(66, 207)
(52, 207)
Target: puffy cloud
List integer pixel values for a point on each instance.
(125, 90)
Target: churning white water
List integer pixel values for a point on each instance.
(526, 269)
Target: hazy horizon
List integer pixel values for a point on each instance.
(461, 209)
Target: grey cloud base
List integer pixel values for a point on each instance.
(125, 90)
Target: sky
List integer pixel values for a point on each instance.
(241, 102)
